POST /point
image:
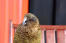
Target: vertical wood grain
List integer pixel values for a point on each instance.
(65, 35)
(42, 36)
(4, 21)
(13, 10)
(60, 36)
(2, 28)
(50, 35)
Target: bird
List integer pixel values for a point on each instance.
(28, 31)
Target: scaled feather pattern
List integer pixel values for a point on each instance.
(28, 31)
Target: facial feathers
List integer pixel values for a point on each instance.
(28, 31)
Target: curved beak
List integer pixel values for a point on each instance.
(25, 19)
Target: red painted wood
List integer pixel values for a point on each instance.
(2, 28)
(15, 11)
(61, 36)
(4, 22)
(50, 35)
(42, 37)
(10, 9)
(11, 13)
(65, 35)
(53, 27)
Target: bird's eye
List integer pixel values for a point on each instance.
(31, 20)
(25, 21)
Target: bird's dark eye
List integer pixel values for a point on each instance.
(25, 21)
(31, 20)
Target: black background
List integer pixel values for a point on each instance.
(49, 12)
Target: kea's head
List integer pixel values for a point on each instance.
(30, 19)
(30, 24)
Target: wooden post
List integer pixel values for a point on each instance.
(11, 10)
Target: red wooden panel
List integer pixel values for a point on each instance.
(53, 27)
(2, 28)
(42, 37)
(50, 35)
(11, 33)
(4, 23)
(10, 7)
(16, 11)
(61, 36)
(11, 13)
(65, 35)
(13, 10)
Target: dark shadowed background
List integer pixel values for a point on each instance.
(49, 12)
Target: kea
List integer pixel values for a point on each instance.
(28, 31)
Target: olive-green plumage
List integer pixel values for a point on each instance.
(28, 31)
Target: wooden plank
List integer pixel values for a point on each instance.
(4, 21)
(50, 35)
(11, 33)
(2, 16)
(11, 13)
(1, 30)
(65, 35)
(15, 11)
(10, 7)
(60, 36)
(53, 27)
(42, 37)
